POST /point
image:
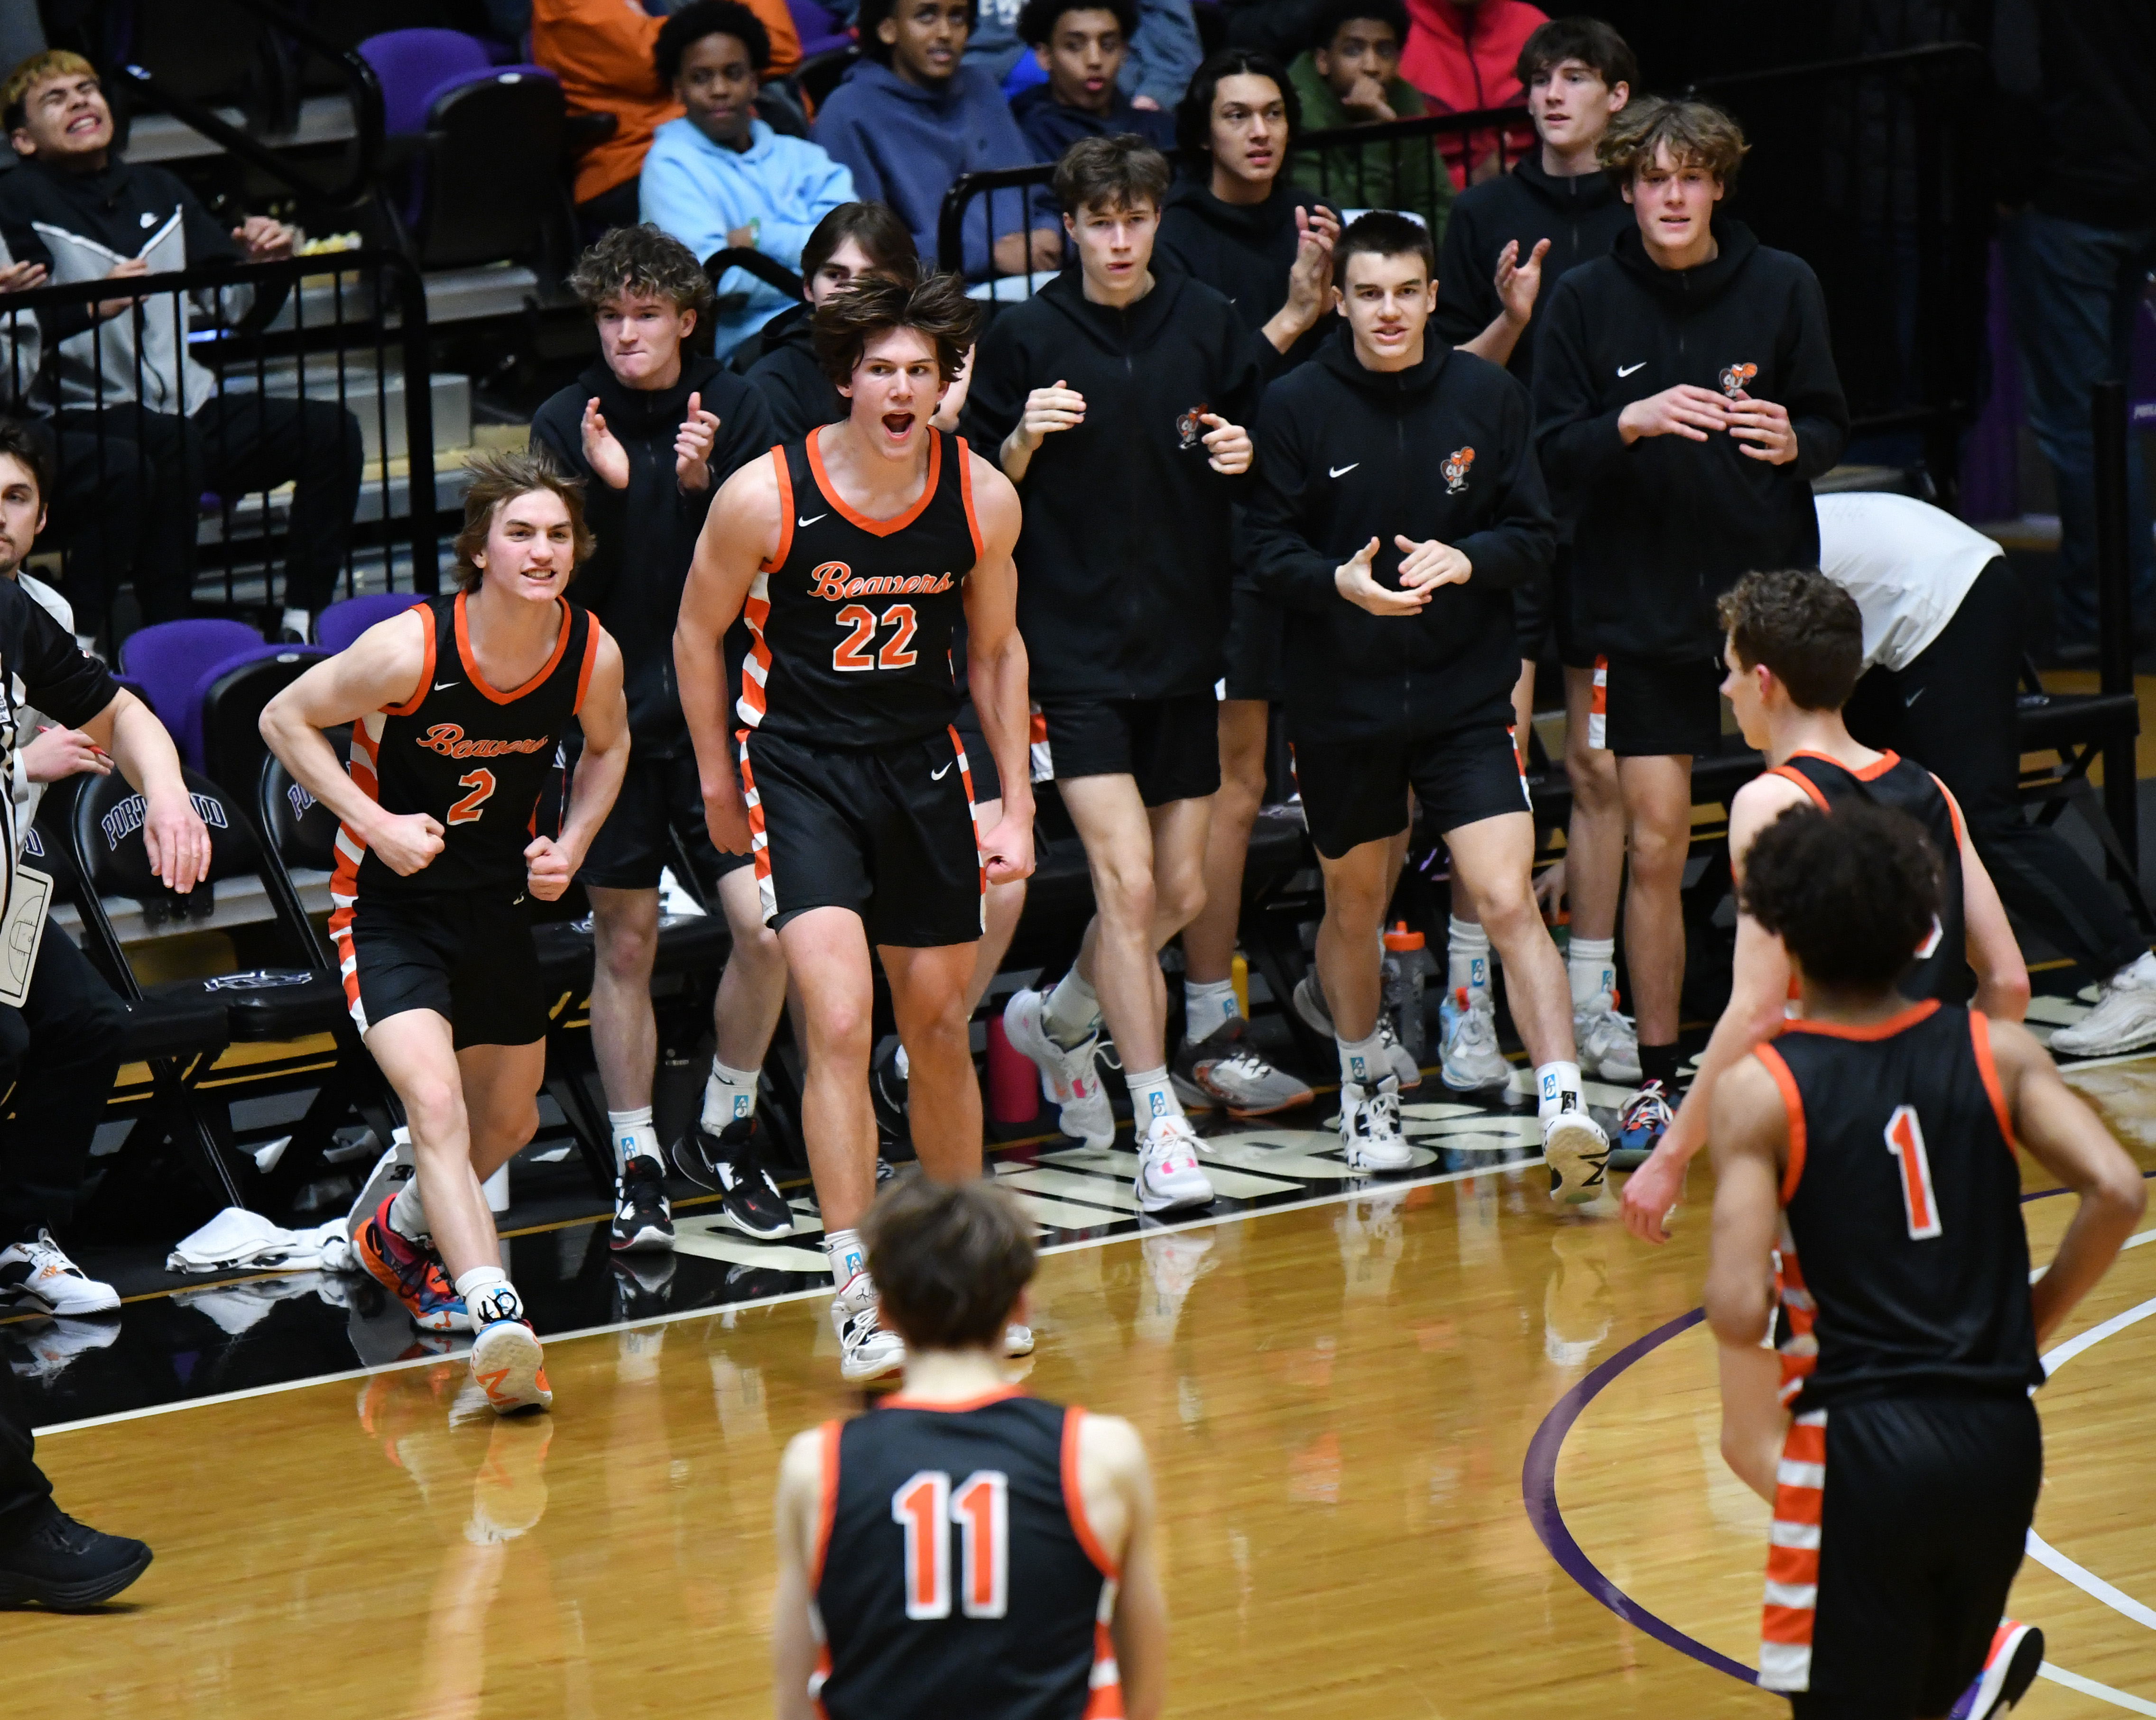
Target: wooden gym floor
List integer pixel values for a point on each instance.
(1424, 1449)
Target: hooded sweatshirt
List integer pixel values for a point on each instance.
(1440, 450)
(1381, 177)
(1125, 560)
(1663, 527)
(647, 532)
(1243, 250)
(1581, 216)
(2076, 134)
(796, 392)
(1164, 51)
(700, 192)
(1461, 54)
(904, 144)
(1051, 128)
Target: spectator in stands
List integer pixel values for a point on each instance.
(60, 1049)
(1081, 45)
(1350, 76)
(1464, 55)
(2077, 157)
(84, 215)
(852, 240)
(910, 116)
(719, 178)
(652, 430)
(1162, 44)
(601, 51)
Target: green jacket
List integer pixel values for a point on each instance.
(1368, 178)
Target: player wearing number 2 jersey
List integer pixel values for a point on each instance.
(853, 556)
(1866, 1159)
(456, 708)
(965, 1549)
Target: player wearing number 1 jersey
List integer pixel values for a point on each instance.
(965, 1549)
(853, 556)
(456, 708)
(1871, 1148)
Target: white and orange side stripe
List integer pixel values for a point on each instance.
(756, 667)
(1793, 1556)
(1104, 1699)
(972, 817)
(1597, 709)
(759, 843)
(1799, 1344)
(351, 850)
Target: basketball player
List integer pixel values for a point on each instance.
(1685, 395)
(1397, 508)
(1873, 1146)
(964, 1550)
(1795, 647)
(855, 554)
(436, 855)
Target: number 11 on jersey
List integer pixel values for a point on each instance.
(925, 1507)
(1905, 1140)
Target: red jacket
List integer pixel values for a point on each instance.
(1460, 54)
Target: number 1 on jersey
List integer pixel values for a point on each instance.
(925, 1507)
(1905, 1140)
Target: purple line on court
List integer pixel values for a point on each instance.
(1538, 1487)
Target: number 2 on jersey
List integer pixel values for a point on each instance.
(925, 1507)
(862, 624)
(1905, 1140)
(466, 811)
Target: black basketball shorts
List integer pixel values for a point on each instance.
(1899, 1523)
(1656, 710)
(886, 831)
(1171, 748)
(467, 955)
(1355, 791)
(658, 795)
(988, 780)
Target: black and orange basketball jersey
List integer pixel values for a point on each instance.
(1904, 1265)
(956, 1573)
(475, 758)
(1943, 971)
(852, 623)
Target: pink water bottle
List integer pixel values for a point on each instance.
(1014, 1083)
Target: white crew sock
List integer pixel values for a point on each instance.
(847, 1255)
(1555, 1085)
(300, 622)
(408, 1217)
(1467, 955)
(633, 1136)
(489, 1295)
(729, 1095)
(1071, 1012)
(1151, 1097)
(1208, 1006)
(1363, 1061)
(1592, 962)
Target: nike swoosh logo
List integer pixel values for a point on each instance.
(937, 776)
(444, 685)
(1912, 698)
(1625, 370)
(1341, 471)
(810, 521)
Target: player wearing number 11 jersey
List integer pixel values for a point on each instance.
(964, 1550)
(853, 556)
(1865, 1159)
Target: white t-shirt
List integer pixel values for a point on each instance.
(1907, 564)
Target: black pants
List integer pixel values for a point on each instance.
(24, 1491)
(61, 1049)
(237, 443)
(1952, 711)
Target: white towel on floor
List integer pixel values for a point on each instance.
(237, 1239)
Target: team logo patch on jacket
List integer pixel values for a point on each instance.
(1737, 377)
(1455, 470)
(1190, 427)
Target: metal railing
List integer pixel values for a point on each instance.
(1396, 165)
(231, 437)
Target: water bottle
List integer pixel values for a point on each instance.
(1408, 969)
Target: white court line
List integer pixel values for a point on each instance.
(719, 1309)
(2134, 1242)
(2089, 1687)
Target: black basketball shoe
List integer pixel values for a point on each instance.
(66, 1565)
(641, 1219)
(727, 1164)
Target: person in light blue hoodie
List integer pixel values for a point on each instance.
(719, 178)
(909, 119)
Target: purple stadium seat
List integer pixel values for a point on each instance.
(189, 733)
(414, 66)
(819, 29)
(338, 625)
(168, 659)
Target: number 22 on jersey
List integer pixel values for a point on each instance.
(925, 1507)
(862, 624)
(1905, 1140)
